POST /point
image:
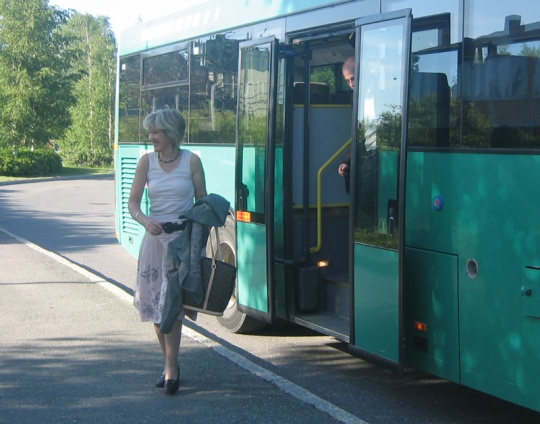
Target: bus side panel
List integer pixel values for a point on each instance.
(430, 299)
(252, 286)
(129, 232)
(376, 301)
(218, 162)
(485, 216)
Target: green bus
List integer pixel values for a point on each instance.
(428, 254)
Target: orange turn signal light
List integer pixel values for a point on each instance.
(420, 326)
(243, 216)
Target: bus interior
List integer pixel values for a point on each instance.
(318, 205)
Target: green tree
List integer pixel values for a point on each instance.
(35, 73)
(325, 75)
(90, 139)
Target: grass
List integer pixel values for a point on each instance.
(74, 171)
(66, 171)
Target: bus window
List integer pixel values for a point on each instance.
(426, 10)
(161, 98)
(165, 82)
(165, 68)
(200, 80)
(433, 107)
(213, 81)
(330, 76)
(500, 76)
(129, 92)
(433, 81)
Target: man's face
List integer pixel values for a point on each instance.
(348, 75)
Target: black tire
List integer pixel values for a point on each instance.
(232, 319)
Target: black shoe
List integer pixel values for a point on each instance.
(171, 386)
(161, 381)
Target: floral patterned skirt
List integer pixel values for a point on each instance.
(152, 277)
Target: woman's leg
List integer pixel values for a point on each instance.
(172, 347)
(161, 338)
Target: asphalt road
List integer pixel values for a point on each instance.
(73, 351)
(75, 219)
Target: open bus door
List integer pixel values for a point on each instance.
(378, 188)
(255, 142)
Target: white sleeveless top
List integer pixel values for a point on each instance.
(170, 193)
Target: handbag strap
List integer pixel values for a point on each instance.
(216, 255)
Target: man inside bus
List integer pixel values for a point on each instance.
(367, 155)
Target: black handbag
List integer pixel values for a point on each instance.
(218, 280)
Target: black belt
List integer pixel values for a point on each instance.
(171, 227)
(371, 153)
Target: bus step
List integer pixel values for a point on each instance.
(326, 323)
(336, 295)
(341, 280)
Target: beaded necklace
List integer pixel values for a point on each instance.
(168, 161)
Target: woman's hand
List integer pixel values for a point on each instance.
(153, 227)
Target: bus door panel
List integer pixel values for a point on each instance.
(382, 64)
(255, 170)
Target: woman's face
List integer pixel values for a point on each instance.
(159, 139)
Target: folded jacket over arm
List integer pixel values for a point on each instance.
(184, 256)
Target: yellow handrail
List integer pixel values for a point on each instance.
(319, 195)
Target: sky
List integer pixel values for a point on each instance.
(126, 13)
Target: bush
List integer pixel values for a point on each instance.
(28, 163)
(78, 157)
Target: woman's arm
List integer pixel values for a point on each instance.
(134, 204)
(197, 174)
(137, 189)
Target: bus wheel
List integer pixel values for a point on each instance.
(232, 319)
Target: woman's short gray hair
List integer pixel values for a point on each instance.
(170, 121)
